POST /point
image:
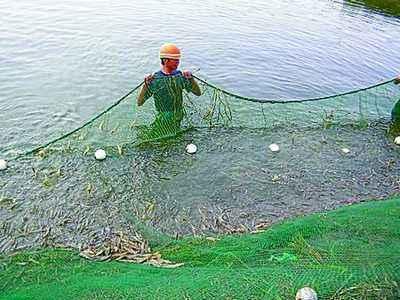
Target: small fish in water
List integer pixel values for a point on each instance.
(397, 140)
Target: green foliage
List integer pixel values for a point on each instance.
(387, 6)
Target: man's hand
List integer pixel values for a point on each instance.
(195, 89)
(397, 80)
(187, 74)
(148, 79)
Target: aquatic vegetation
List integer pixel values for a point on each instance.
(87, 150)
(328, 118)
(7, 202)
(49, 177)
(89, 189)
(361, 123)
(42, 153)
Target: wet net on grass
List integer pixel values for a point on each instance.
(349, 253)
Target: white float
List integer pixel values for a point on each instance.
(345, 150)
(274, 147)
(191, 148)
(397, 140)
(3, 164)
(100, 154)
(306, 293)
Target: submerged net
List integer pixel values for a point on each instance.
(58, 194)
(125, 125)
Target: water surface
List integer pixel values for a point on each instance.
(63, 62)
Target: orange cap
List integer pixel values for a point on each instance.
(171, 51)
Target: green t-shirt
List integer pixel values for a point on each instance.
(167, 91)
(396, 112)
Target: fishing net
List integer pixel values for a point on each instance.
(333, 151)
(123, 124)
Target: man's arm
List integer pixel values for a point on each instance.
(397, 80)
(195, 89)
(144, 95)
(141, 98)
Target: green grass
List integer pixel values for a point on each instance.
(387, 6)
(350, 253)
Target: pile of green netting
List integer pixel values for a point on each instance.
(334, 151)
(349, 253)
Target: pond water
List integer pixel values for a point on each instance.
(63, 62)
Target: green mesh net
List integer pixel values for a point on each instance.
(125, 125)
(333, 151)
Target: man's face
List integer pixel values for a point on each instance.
(172, 64)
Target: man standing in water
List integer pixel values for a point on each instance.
(166, 87)
(394, 127)
(396, 108)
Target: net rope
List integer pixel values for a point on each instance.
(217, 92)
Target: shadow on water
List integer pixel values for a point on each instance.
(389, 7)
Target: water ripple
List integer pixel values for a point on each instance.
(62, 62)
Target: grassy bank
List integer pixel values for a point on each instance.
(387, 6)
(350, 253)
